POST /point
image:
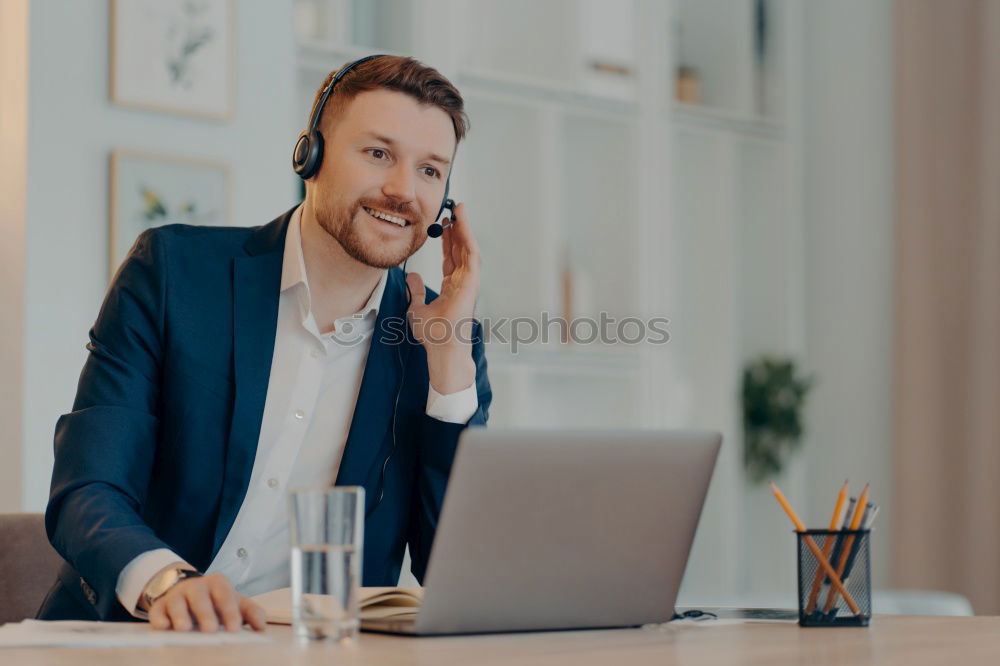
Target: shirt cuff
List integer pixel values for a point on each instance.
(137, 574)
(455, 407)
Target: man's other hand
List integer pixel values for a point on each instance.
(208, 601)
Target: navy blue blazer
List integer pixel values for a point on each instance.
(159, 447)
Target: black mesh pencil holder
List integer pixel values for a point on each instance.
(822, 603)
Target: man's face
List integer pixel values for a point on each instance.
(386, 155)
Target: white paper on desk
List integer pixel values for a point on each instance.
(725, 616)
(712, 622)
(73, 633)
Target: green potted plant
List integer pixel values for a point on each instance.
(774, 396)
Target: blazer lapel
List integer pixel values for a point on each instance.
(256, 287)
(376, 404)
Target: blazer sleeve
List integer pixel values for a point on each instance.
(437, 442)
(105, 447)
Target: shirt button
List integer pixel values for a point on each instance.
(299, 415)
(272, 483)
(315, 353)
(241, 553)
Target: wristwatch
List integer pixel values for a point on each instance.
(162, 583)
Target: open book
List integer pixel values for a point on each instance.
(376, 603)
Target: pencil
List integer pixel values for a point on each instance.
(866, 524)
(845, 524)
(823, 562)
(831, 597)
(827, 547)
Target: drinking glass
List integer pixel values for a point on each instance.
(327, 534)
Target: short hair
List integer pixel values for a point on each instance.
(406, 75)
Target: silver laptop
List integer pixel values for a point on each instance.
(545, 530)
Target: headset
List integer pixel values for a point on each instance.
(306, 159)
(308, 152)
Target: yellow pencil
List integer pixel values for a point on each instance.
(831, 597)
(827, 547)
(799, 527)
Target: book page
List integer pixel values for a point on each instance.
(376, 602)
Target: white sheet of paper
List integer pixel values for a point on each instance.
(74, 633)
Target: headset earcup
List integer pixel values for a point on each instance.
(300, 152)
(308, 154)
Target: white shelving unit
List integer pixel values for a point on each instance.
(581, 165)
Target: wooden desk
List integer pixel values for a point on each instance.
(909, 640)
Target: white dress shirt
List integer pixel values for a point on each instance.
(311, 396)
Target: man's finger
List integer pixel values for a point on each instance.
(454, 247)
(226, 604)
(253, 614)
(448, 261)
(200, 603)
(464, 240)
(416, 285)
(158, 617)
(177, 611)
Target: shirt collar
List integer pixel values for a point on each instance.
(293, 265)
(293, 272)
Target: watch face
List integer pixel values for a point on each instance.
(164, 582)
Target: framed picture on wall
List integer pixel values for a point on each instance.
(149, 190)
(175, 56)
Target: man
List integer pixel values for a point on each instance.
(227, 365)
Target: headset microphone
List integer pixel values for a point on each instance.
(436, 229)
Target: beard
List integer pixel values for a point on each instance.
(340, 221)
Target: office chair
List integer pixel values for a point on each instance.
(28, 565)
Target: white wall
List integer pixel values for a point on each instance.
(818, 287)
(849, 253)
(73, 128)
